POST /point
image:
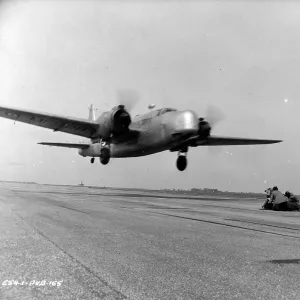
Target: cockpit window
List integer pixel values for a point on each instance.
(165, 110)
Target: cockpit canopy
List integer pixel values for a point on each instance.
(165, 110)
(154, 113)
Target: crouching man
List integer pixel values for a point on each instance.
(268, 204)
(292, 202)
(278, 200)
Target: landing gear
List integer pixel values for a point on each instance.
(104, 156)
(101, 150)
(181, 163)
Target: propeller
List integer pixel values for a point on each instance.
(214, 115)
(128, 98)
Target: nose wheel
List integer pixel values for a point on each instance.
(181, 162)
(92, 160)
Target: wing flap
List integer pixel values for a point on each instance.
(67, 145)
(228, 141)
(71, 125)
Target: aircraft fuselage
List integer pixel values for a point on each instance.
(157, 132)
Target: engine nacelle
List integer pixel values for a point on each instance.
(204, 128)
(114, 122)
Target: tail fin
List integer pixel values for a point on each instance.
(92, 116)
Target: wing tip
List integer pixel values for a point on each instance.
(45, 143)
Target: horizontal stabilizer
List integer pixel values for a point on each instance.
(67, 145)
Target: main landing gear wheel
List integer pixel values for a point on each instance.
(92, 160)
(181, 163)
(104, 156)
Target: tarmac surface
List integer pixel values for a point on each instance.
(59, 242)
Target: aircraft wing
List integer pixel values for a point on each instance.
(76, 126)
(227, 141)
(67, 145)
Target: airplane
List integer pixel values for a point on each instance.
(115, 134)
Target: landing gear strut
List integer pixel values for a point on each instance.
(104, 156)
(181, 162)
(92, 160)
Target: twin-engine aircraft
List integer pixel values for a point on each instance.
(115, 134)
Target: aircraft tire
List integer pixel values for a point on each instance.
(104, 156)
(181, 163)
(92, 160)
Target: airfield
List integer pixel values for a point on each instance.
(119, 244)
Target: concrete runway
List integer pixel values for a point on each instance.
(113, 244)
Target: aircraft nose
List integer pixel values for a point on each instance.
(187, 122)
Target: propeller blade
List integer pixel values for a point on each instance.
(128, 98)
(214, 115)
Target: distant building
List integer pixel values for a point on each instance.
(81, 184)
(211, 190)
(206, 190)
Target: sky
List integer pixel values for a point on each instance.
(241, 56)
